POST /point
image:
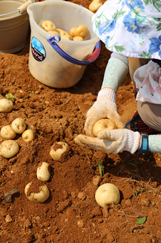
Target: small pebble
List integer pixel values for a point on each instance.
(81, 195)
(96, 180)
(74, 194)
(8, 218)
(80, 223)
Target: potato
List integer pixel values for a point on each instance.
(57, 149)
(36, 197)
(103, 124)
(64, 34)
(29, 134)
(48, 25)
(95, 5)
(7, 132)
(80, 30)
(9, 148)
(6, 105)
(107, 195)
(77, 38)
(54, 32)
(18, 125)
(43, 172)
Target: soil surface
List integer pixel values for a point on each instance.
(71, 213)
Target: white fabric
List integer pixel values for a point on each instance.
(148, 82)
(131, 28)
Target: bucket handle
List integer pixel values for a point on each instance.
(53, 40)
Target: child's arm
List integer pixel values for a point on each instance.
(116, 70)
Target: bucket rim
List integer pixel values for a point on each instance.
(46, 34)
(16, 15)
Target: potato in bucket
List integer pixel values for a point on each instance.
(45, 64)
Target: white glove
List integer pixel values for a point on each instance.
(104, 107)
(112, 141)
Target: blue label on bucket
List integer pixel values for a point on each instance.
(37, 49)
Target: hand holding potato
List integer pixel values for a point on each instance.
(104, 107)
(112, 141)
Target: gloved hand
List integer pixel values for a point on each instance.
(104, 107)
(112, 141)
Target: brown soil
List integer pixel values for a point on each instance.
(71, 213)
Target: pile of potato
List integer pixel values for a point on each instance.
(10, 148)
(76, 33)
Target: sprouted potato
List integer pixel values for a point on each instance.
(7, 132)
(18, 125)
(9, 148)
(6, 105)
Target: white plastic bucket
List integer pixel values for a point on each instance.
(13, 27)
(45, 64)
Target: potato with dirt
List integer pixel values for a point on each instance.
(43, 171)
(9, 148)
(40, 195)
(57, 149)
